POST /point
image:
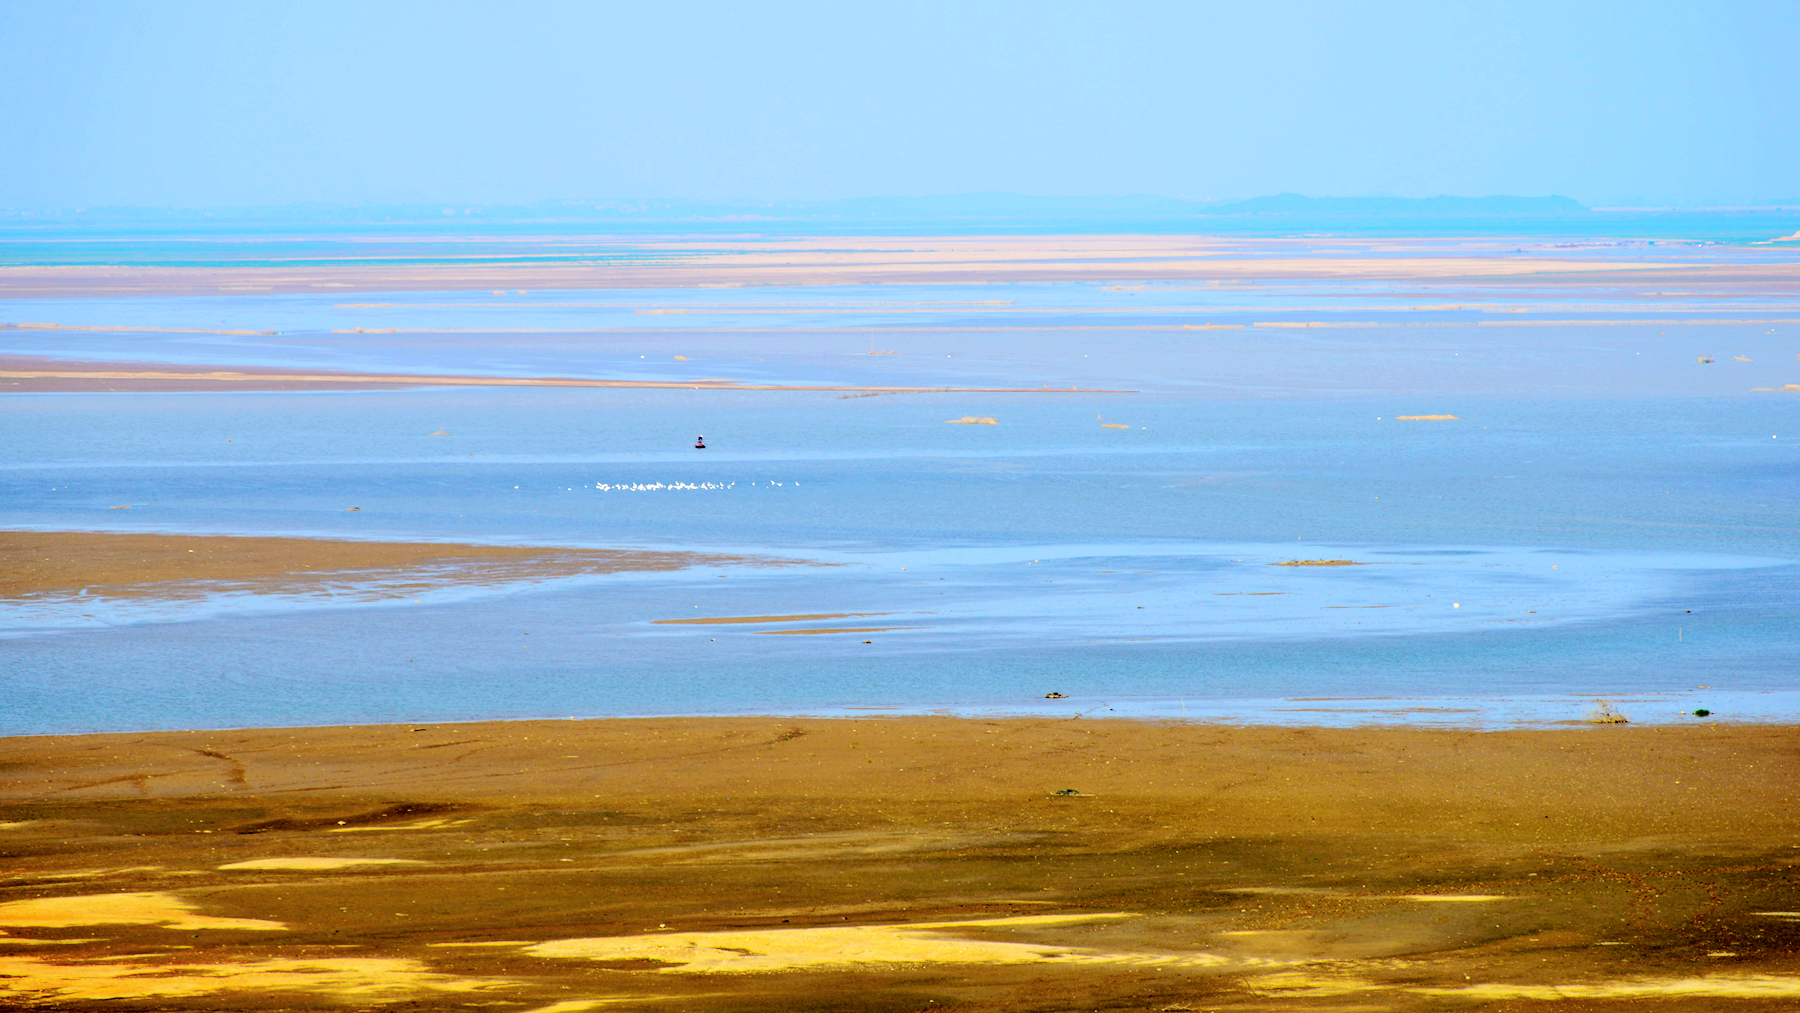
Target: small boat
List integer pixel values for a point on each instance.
(699, 443)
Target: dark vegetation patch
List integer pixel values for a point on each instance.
(386, 814)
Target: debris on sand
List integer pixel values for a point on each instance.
(972, 420)
(1069, 793)
(1704, 359)
(1605, 713)
(1426, 418)
(1320, 562)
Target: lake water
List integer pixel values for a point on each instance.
(1607, 517)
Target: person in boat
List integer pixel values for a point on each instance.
(699, 443)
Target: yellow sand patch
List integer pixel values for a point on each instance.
(1114, 425)
(1454, 898)
(421, 825)
(164, 909)
(309, 864)
(1311, 984)
(807, 949)
(6, 940)
(1748, 986)
(1320, 562)
(713, 620)
(342, 977)
(579, 1005)
(1426, 418)
(972, 420)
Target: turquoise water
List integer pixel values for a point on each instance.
(584, 234)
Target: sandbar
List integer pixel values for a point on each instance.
(715, 262)
(30, 374)
(112, 564)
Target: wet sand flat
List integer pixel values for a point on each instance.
(136, 565)
(30, 374)
(902, 864)
(910, 260)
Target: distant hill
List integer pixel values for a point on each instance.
(1360, 207)
(964, 207)
(1013, 207)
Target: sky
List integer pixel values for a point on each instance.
(189, 104)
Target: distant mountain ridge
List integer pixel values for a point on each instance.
(1295, 204)
(1017, 207)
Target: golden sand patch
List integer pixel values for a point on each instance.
(1320, 562)
(1426, 418)
(1454, 898)
(1311, 984)
(712, 620)
(766, 950)
(192, 566)
(1744, 986)
(1114, 425)
(161, 909)
(311, 864)
(972, 420)
(431, 824)
(580, 1005)
(339, 977)
(6, 940)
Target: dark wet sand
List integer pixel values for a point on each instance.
(769, 864)
(117, 565)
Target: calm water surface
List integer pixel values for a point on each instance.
(1540, 553)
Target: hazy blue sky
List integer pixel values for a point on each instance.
(252, 103)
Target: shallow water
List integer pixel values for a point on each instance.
(1513, 335)
(1538, 554)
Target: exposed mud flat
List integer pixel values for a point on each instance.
(108, 564)
(901, 864)
(714, 262)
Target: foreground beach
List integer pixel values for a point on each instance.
(901, 863)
